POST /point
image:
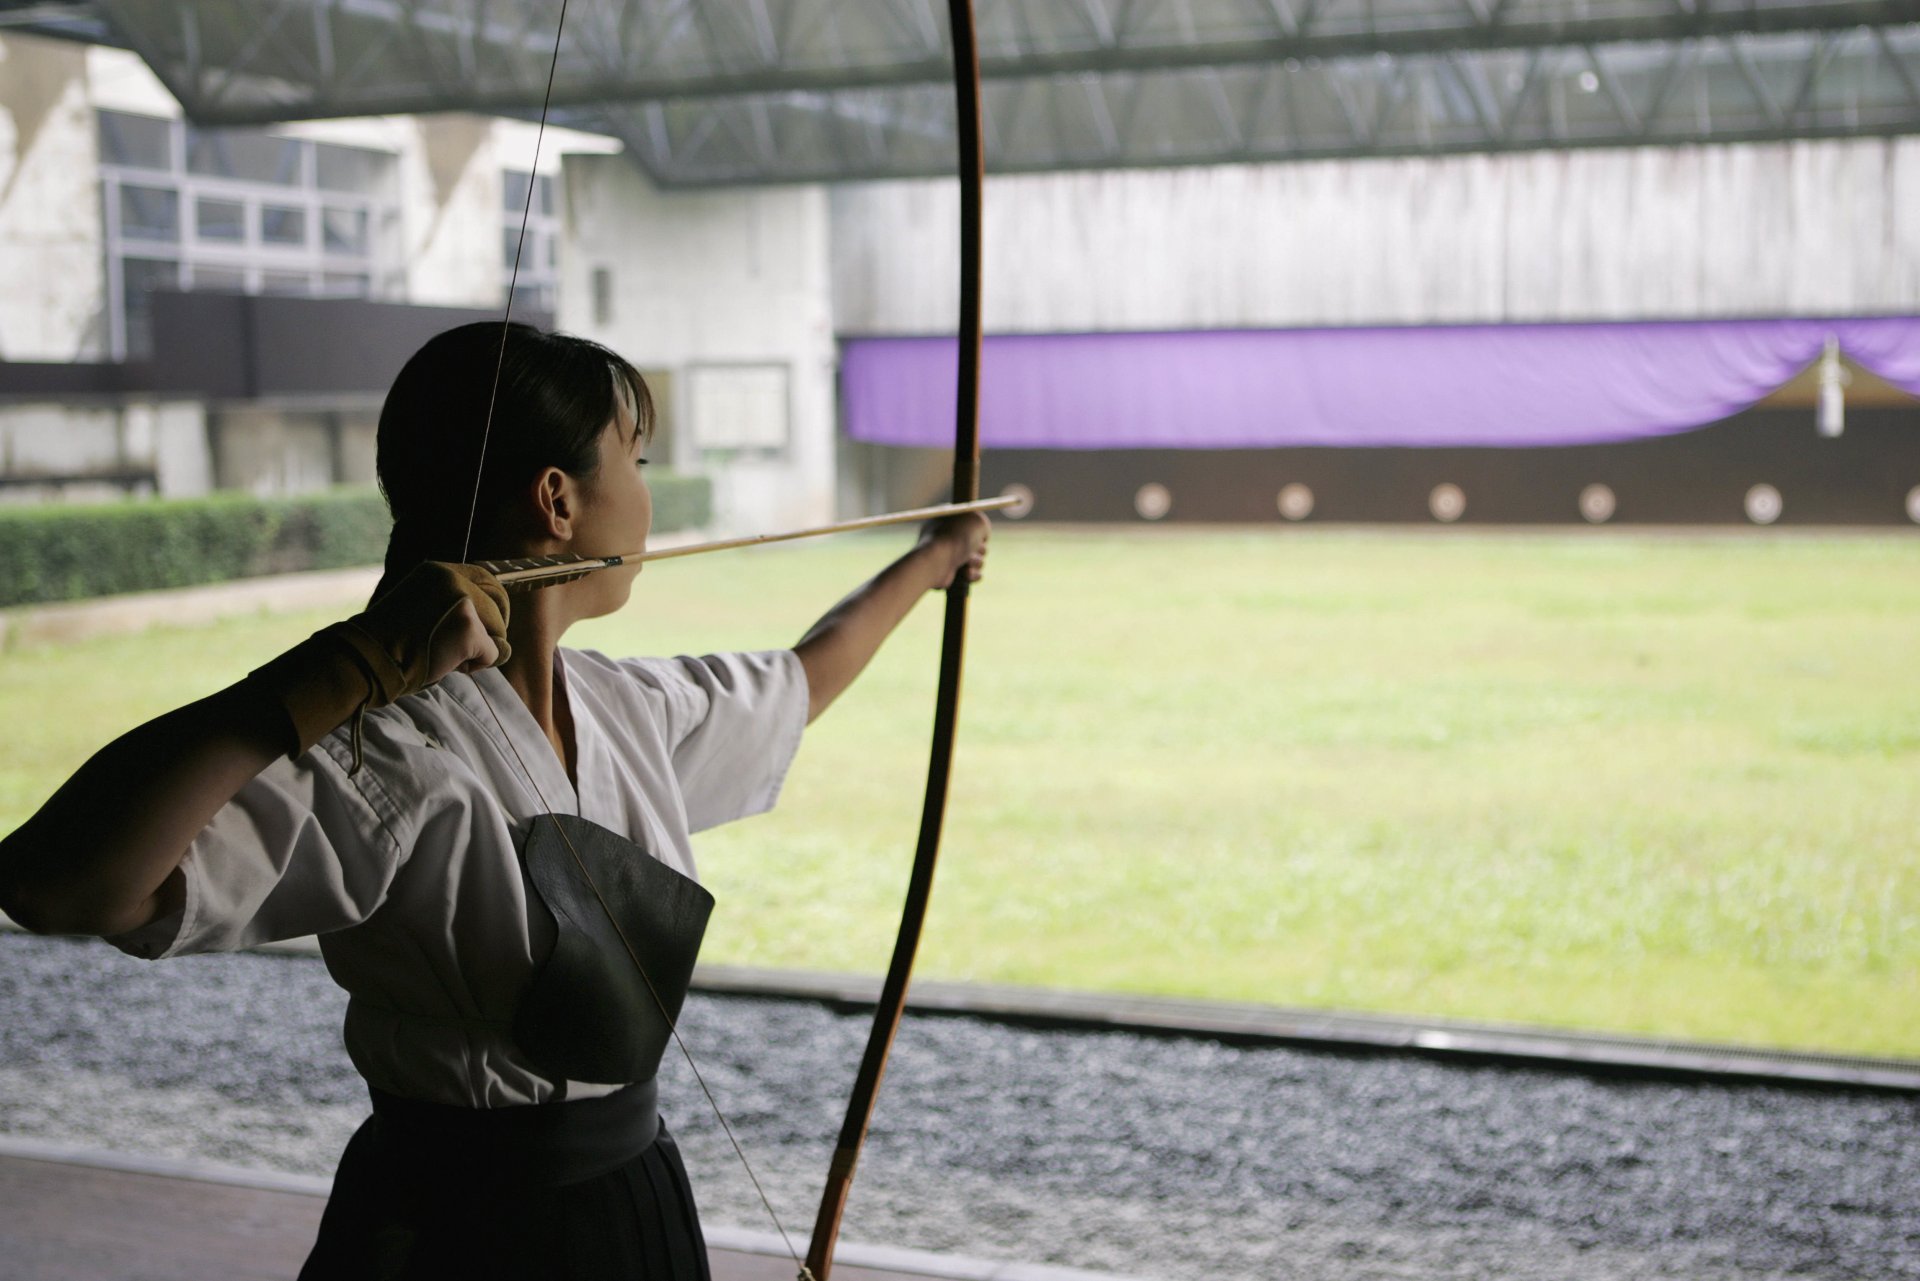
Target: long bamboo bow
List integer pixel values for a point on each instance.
(966, 488)
(965, 496)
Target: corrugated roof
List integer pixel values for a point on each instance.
(707, 92)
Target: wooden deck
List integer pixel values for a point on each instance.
(64, 1220)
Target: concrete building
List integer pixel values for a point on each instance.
(112, 205)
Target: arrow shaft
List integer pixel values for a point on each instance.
(534, 577)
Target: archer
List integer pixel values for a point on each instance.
(440, 791)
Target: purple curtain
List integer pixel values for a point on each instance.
(1485, 385)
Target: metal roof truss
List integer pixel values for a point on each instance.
(707, 92)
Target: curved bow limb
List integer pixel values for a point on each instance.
(966, 488)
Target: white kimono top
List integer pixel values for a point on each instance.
(409, 872)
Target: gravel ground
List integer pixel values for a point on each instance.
(1142, 1156)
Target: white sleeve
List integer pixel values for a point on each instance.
(302, 849)
(733, 725)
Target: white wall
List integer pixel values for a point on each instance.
(736, 277)
(1803, 228)
(53, 304)
(66, 443)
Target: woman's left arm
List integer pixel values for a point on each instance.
(837, 648)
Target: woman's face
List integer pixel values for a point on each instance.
(616, 511)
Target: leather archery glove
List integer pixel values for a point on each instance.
(380, 655)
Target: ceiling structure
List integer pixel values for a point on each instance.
(734, 92)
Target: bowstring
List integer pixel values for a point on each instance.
(466, 549)
(513, 280)
(632, 955)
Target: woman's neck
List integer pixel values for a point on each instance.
(536, 622)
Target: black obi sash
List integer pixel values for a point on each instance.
(590, 1014)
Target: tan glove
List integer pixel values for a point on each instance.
(379, 656)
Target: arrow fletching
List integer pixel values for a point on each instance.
(528, 572)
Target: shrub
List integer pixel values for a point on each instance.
(70, 552)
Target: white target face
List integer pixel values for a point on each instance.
(1153, 501)
(1596, 504)
(1023, 504)
(1913, 504)
(1447, 503)
(1764, 505)
(1295, 502)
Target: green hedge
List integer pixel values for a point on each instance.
(69, 552)
(679, 502)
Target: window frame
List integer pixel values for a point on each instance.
(257, 262)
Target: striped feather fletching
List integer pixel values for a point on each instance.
(528, 572)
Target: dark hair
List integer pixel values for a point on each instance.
(555, 395)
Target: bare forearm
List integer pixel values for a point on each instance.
(96, 857)
(837, 648)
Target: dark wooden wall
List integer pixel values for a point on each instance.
(1862, 477)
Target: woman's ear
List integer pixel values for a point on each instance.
(555, 503)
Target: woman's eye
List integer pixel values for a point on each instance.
(639, 462)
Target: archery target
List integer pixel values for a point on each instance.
(1913, 504)
(1596, 504)
(1764, 504)
(1153, 501)
(1447, 502)
(1295, 502)
(1023, 507)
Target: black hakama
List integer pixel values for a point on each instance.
(592, 1190)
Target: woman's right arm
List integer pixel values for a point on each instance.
(103, 855)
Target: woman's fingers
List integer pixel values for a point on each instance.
(461, 644)
(964, 537)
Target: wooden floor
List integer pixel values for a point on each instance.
(63, 1221)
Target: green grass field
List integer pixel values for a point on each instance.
(1653, 784)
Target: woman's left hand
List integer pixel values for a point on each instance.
(959, 545)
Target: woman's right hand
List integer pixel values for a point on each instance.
(462, 643)
(440, 618)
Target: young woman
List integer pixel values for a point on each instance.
(414, 785)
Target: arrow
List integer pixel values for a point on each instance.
(528, 572)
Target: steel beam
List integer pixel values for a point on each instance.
(1316, 35)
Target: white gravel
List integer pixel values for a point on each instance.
(1150, 1157)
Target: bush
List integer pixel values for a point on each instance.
(55, 553)
(679, 502)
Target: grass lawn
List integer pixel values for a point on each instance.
(1653, 784)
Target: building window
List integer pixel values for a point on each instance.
(343, 231)
(738, 411)
(245, 154)
(530, 235)
(136, 142)
(280, 225)
(219, 280)
(352, 170)
(220, 220)
(240, 211)
(149, 213)
(603, 295)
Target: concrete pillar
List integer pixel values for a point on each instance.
(730, 291)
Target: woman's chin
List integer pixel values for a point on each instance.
(616, 590)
